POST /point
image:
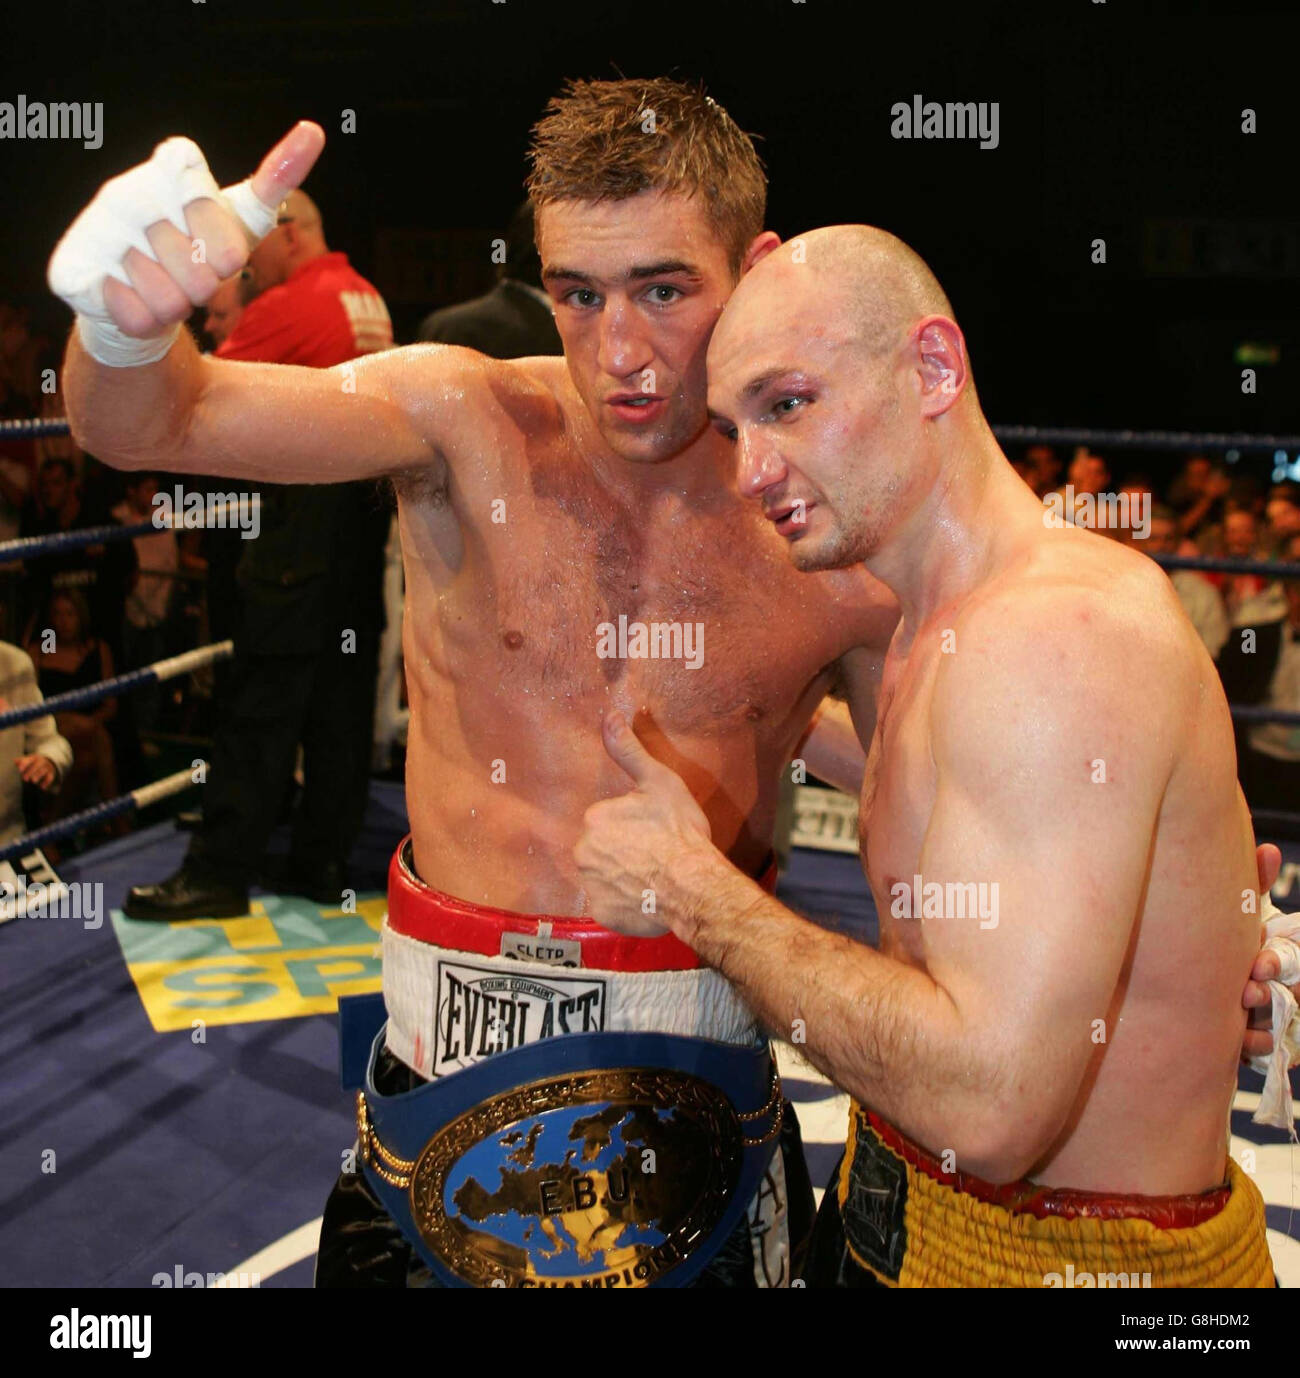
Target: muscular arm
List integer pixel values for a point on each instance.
(192, 413)
(985, 1052)
(831, 749)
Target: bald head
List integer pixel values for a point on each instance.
(861, 283)
(298, 238)
(837, 369)
(882, 287)
(298, 208)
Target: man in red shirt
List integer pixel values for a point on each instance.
(306, 650)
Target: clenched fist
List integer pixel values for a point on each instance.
(157, 241)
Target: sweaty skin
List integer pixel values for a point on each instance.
(531, 512)
(605, 512)
(1049, 724)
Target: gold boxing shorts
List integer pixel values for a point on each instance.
(908, 1223)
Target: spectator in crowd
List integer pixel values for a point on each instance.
(15, 487)
(1087, 476)
(19, 400)
(1201, 600)
(1189, 484)
(21, 355)
(102, 573)
(153, 592)
(1197, 495)
(1046, 468)
(32, 752)
(1256, 609)
(68, 656)
(1272, 769)
(311, 618)
(1250, 598)
(512, 321)
(1283, 515)
(1139, 487)
(1134, 503)
(1246, 498)
(1240, 533)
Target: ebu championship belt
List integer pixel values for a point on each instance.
(584, 1160)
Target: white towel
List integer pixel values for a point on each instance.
(1281, 931)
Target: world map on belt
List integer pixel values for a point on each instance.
(581, 1189)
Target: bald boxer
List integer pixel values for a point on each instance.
(1043, 1052)
(559, 519)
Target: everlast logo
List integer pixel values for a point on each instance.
(481, 1012)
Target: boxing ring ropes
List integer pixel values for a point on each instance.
(171, 667)
(32, 547)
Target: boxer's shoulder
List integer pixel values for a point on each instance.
(1089, 619)
(450, 391)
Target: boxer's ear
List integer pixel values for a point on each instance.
(941, 363)
(759, 248)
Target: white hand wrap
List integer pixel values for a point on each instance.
(1275, 1108)
(116, 220)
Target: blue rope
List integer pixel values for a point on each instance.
(1144, 440)
(25, 547)
(106, 688)
(79, 698)
(1269, 569)
(34, 429)
(64, 827)
(1270, 817)
(1259, 712)
(1016, 435)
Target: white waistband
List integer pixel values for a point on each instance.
(448, 1010)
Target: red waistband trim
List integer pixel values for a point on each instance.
(419, 911)
(1029, 1198)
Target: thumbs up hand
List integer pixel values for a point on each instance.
(631, 844)
(157, 240)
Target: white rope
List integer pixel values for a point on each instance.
(168, 785)
(191, 660)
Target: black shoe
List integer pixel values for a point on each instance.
(323, 884)
(189, 894)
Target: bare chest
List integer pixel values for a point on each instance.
(568, 597)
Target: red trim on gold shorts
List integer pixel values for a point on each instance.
(1029, 1198)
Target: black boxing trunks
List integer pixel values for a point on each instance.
(542, 1102)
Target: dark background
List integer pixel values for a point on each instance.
(1117, 121)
